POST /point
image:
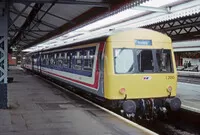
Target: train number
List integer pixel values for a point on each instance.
(170, 77)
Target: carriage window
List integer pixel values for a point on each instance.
(78, 60)
(69, 59)
(124, 61)
(47, 59)
(164, 60)
(88, 59)
(60, 59)
(65, 60)
(43, 60)
(35, 61)
(145, 61)
(52, 59)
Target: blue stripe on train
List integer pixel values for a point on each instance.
(69, 70)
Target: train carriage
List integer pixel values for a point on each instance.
(132, 70)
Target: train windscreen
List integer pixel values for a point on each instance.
(124, 60)
(128, 61)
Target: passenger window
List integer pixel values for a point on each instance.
(78, 60)
(65, 64)
(43, 60)
(69, 59)
(35, 61)
(52, 59)
(88, 59)
(56, 58)
(47, 59)
(60, 59)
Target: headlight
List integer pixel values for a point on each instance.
(169, 89)
(122, 91)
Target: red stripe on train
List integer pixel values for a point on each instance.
(95, 85)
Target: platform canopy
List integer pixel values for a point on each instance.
(44, 24)
(33, 21)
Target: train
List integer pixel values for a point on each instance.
(129, 70)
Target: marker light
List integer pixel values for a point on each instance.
(122, 91)
(169, 89)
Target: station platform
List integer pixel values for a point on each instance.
(38, 108)
(190, 96)
(189, 74)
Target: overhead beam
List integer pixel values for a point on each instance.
(87, 3)
(186, 28)
(186, 36)
(27, 22)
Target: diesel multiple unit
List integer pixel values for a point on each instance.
(133, 71)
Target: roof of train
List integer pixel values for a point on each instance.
(101, 37)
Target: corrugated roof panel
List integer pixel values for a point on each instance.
(46, 6)
(44, 27)
(30, 36)
(28, 10)
(43, 10)
(18, 6)
(69, 11)
(53, 20)
(40, 33)
(20, 21)
(12, 15)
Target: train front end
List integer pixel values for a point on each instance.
(140, 74)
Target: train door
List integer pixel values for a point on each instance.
(101, 69)
(40, 61)
(32, 62)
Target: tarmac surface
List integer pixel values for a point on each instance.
(38, 108)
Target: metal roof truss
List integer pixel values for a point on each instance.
(180, 29)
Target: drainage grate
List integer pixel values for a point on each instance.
(56, 106)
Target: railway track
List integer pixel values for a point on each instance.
(179, 123)
(183, 122)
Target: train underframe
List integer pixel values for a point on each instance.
(148, 109)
